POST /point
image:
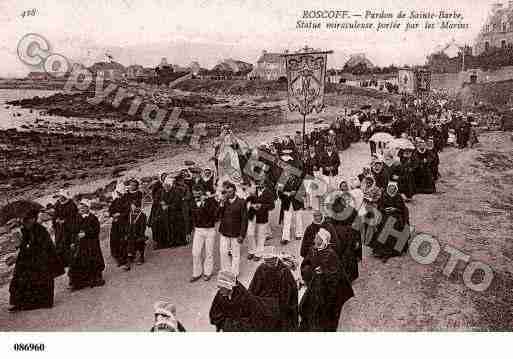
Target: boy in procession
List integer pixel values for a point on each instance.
(204, 213)
(259, 205)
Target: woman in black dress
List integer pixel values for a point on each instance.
(328, 287)
(87, 262)
(37, 265)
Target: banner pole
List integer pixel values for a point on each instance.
(304, 136)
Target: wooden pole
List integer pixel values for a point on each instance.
(304, 136)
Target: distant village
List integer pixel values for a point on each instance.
(450, 66)
(270, 66)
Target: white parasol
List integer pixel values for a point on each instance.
(402, 144)
(365, 126)
(381, 137)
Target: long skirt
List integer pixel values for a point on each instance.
(86, 266)
(178, 235)
(424, 181)
(388, 248)
(161, 233)
(407, 185)
(117, 233)
(63, 240)
(31, 295)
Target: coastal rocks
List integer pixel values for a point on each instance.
(11, 260)
(29, 158)
(116, 172)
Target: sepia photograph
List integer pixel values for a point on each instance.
(221, 166)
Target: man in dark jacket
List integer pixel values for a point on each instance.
(155, 221)
(136, 238)
(311, 163)
(133, 194)
(260, 204)
(233, 215)
(329, 163)
(37, 265)
(292, 204)
(204, 216)
(87, 262)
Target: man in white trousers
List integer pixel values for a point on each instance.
(204, 211)
(292, 205)
(233, 215)
(259, 205)
(329, 163)
(310, 168)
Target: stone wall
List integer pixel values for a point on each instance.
(453, 82)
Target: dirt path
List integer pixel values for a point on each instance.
(472, 213)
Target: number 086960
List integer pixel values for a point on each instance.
(28, 347)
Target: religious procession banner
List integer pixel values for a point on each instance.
(306, 74)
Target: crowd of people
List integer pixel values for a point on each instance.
(195, 205)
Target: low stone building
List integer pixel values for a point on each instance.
(270, 66)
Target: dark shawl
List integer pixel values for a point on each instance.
(349, 249)
(87, 260)
(277, 282)
(244, 312)
(400, 214)
(424, 181)
(66, 232)
(326, 292)
(119, 225)
(36, 267)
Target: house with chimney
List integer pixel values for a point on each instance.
(109, 70)
(134, 71)
(497, 31)
(140, 73)
(270, 66)
(358, 64)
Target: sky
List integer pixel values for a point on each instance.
(207, 31)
